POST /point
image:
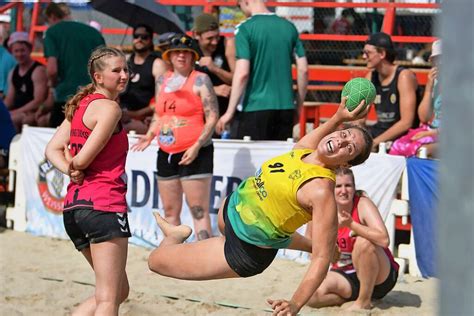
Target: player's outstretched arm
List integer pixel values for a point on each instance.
(319, 195)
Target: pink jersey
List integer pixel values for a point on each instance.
(181, 116)
(105, 186)
(345, 242)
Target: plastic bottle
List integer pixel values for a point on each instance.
(225, 134)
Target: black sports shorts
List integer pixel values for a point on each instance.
(379, 290)
(201, 167)
(85, 226)
(245, 259)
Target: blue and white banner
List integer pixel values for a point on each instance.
(233, 161)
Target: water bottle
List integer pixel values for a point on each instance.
(225, 134)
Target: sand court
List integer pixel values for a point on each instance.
(47, 276)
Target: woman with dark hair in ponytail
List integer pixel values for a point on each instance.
(91, 147)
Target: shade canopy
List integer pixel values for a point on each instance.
(135, 12)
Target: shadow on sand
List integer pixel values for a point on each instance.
(398, 299)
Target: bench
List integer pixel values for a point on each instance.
(332, 78)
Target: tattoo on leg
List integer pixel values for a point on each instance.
(203, 234)
(197, 212)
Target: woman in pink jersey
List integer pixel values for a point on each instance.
(186, 113)
(365, 268)
(91, 147)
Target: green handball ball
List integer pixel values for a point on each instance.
(356, 90)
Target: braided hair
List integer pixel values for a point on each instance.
(96, 63)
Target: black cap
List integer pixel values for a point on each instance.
(181, 42)
(382, 40)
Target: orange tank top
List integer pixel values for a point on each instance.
(181, 116)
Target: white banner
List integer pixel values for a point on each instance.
(45, 187)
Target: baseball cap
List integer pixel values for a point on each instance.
(181, 42)
(382, 40)
(205, 22)
(436, 49)
(16, 37)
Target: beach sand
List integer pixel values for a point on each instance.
(46, 276)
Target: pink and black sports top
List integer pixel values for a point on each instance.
(105, 185)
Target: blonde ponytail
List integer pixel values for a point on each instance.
(73, 103)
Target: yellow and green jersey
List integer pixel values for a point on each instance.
(264, 211)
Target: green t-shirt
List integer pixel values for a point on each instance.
(72, 44)
(269, 42)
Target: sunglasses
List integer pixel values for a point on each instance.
(368, 52)
(183, 40)
(141, 36)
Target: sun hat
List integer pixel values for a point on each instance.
(181, 42)
(17, 37)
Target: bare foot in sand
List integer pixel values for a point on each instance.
(179, 233)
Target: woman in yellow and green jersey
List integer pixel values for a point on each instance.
(265, 211)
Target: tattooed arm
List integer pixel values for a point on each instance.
(203, 87)
(145, 140)
(211, 109)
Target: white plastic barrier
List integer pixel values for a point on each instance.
(16, 215)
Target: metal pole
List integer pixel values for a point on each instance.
(456, 178)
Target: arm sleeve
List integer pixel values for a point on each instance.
(50, 49)
(299, 48)
(242, 45)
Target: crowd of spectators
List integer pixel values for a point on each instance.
(235, 66)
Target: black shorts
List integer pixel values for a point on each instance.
(86, 226)
(264, 125)
(379, 290)
(201, 167)
(245, 259)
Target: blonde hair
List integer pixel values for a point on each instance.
(96, 63)
(344, 171)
